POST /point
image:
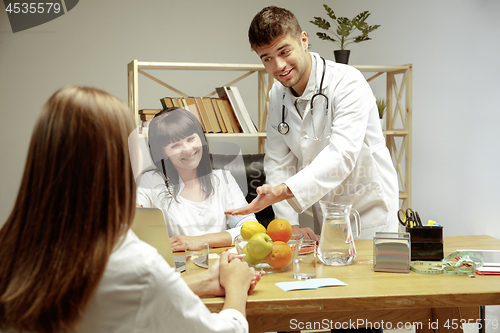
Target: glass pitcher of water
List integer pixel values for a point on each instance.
(336, 246)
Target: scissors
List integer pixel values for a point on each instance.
(409, 218)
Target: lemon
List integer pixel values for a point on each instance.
(248, 229)
(249, 259)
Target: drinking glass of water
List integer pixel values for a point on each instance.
(196, 257)
(304, 260)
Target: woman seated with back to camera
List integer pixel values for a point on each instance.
(192, 196)
(68, 260)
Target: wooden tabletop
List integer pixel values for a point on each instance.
(375, 291)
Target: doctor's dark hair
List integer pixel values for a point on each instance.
(171, 125)
(75, 201)
(270, 23)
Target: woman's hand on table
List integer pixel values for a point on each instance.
(256, 276)
(216, 239)
(216, 271)
(236, 277)
(178, 242)
(234, 272)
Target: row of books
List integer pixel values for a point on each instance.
(232, 95)
(214, 114)
(226, 114)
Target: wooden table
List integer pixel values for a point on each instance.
(389, 300)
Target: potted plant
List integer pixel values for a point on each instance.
(381, 106)
(344, 28)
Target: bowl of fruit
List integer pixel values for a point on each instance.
(270, 249)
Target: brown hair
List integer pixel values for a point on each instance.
(75, 201)
(272, 22)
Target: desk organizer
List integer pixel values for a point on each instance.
(426, 243)
(391, 252)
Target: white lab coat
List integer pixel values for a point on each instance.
(350, 163)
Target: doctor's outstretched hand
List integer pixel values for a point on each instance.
(266, 196)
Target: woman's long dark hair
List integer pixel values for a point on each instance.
(172, 125)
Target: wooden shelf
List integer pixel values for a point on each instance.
(265, 82)
(199, 66)
(381, 68)
(396, 132)
(236, 135)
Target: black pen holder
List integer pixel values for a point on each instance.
(426, 243)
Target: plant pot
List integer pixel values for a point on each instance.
(342, 56)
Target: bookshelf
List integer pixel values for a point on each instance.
(398, 115)
(398, 121)
(265, 82)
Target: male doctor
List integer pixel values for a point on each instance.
(324, 139)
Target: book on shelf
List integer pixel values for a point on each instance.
(228, 115)
(223, 93)
(179, 102)
(218, 105)
(176, 102)
(224, 128)
(183, 103)
(241, 105)
(238, 108)
(203, 114)
(146, 117)
(166, 102)
(209, 108)
(191, 104)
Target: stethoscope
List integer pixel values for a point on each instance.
(284, 128)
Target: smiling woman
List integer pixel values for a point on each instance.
(192, 196)
(185, 155)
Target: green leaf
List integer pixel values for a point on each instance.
(321, 23)
(361, 25)
(381, 106)
(361, 38)
(330, 12)
(361, 17)
(344, 20)
(324, 36)
(369, 29)
(344, 30)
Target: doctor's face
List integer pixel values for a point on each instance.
(287, 59)
(184, 154)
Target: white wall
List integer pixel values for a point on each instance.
(453, 46)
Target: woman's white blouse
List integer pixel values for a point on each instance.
(140, 292)
(189, 218)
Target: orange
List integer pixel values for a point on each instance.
(280, 255)
(279, 230)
